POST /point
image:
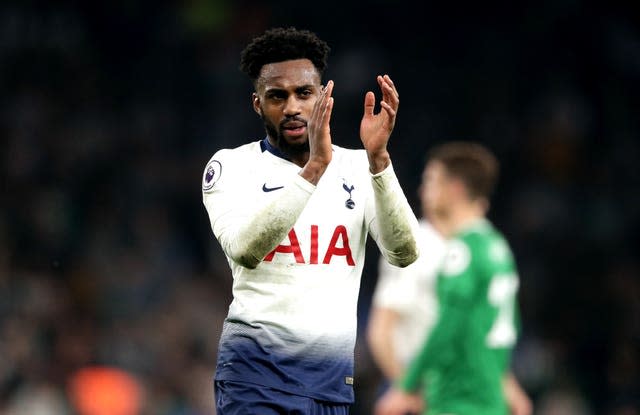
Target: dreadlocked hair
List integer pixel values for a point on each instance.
(283, 44)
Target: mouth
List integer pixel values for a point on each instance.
(294, 128)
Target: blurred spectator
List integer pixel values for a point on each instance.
(96, 390)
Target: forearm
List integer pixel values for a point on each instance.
(246, 239)
(380, 340)
(517, 399)
(397, 223)
(383, 354)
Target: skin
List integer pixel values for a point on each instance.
(447, 200)
(296, 110)
(382, 322)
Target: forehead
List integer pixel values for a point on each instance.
(288, 74)
(434, 168)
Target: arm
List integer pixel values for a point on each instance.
(396, 223)
(517, 399)
(395, 226)
(380, 339)
(392, 301)
(246, 232)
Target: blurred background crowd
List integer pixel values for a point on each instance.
(109, 112)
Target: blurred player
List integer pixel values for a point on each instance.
(404, 306)
(292, 213)
(463, 367)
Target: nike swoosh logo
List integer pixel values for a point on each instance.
(270, 189)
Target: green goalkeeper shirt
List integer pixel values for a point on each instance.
(462, 363)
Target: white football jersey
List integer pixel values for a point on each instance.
(292, 322)
(411, 292)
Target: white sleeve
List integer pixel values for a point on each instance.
(393, 225)
(393, 286)
(246, 229)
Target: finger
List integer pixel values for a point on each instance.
(319, 108)
(315, 114)
(369, 103)
(328, 103)
(389, 92)
(328, 89)
(389, 110)
(389, 114)
(393, 86)
(326, 114)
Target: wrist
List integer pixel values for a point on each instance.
(379, 161)
(313, 171)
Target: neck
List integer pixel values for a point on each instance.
(461, 216)
(300, 159)
(297, 155)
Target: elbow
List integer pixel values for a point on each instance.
(248, 253)
(404, 255)
(406, 261)
(246, 260)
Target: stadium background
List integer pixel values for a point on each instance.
(110, 111)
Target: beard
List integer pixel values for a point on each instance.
(291, 150)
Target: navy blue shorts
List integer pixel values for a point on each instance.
(235, 398)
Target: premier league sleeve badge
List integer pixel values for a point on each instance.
(211, 175)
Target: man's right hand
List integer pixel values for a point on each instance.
(397, 402)
(319, 133)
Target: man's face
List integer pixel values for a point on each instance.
(435, 190)
(284, 98)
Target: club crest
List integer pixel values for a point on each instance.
(457, 258)
(350, 204)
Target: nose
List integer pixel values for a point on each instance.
(292, 106)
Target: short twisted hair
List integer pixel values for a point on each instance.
(283, 44)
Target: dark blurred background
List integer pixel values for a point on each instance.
(109, 112)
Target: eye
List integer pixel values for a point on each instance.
(305, 93)
(276, 95)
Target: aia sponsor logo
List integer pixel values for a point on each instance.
(337, 250)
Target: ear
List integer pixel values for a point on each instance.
(484, 204)
(460, 190)
(255, 101)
